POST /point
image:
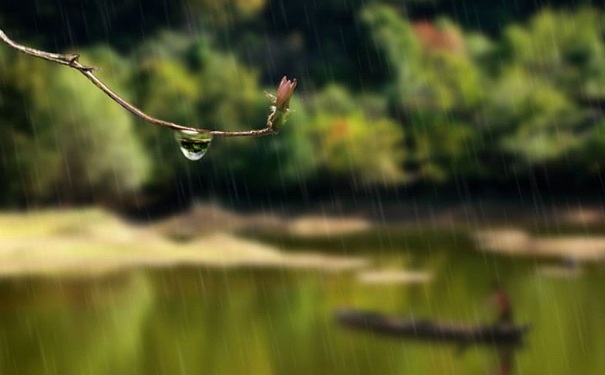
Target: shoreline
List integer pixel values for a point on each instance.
(90, 241)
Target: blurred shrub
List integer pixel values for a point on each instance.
(363, 151)
(588, 161)
(565, 48)
(449, 82)
(534, 119)
(75, 144)
(551, 69)
(354, 140)
(223, 12)
(394, 37)
(437, 86)
(444, 147)
(430, 67)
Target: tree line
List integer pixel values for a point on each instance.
(390, 96)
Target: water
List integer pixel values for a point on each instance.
(275, 321)
(194, 145)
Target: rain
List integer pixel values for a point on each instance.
(302, 187)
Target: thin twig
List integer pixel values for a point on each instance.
(71, 60)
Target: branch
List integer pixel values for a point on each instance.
(277, 117)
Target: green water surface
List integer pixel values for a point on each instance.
(278, 321)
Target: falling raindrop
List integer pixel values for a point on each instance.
(194, 145)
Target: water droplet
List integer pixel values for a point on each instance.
(193, 144)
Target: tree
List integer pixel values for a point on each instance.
(99, 153)
(354, 141)
(563, 48)
(551, 69)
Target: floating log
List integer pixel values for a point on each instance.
(428, 330)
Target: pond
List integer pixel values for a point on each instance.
(280, 321)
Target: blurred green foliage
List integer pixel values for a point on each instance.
(91, 147)
(391, 94)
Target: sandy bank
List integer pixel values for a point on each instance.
(517, 242)
(92, 241)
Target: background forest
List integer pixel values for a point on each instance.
(458, 96)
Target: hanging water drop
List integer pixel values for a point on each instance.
(194, 145)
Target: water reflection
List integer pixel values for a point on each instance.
(72, 326)
(505, 360)
(192, 321)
